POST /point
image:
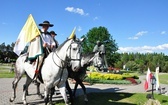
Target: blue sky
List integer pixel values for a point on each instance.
(136, 25)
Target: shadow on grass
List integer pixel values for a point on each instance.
(104, 99)
(97, 90)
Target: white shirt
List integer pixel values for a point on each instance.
(46, 38)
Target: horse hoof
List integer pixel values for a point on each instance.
(25, 103)
(86, 102)
(11, 99)
(50, 103)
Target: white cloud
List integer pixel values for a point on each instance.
(136, 36)
(76, 10)
(95, 18)
(163, 32)
(144, 49)
(133, 38)
(79, 28)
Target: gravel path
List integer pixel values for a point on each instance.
(6, 91)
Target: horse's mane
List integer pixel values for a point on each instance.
(88, 55)
(61, 45)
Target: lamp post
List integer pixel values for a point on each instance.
(153, 82)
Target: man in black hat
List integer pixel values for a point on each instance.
(53, 34)
(45, 35)
(47, 42)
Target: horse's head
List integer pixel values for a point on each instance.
(92, 58)
(74, 54)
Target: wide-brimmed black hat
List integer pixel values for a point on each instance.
(52, 32)
(46, 23)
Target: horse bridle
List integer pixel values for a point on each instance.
(76, 54)
(69, 58)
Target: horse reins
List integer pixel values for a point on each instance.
(62, 61)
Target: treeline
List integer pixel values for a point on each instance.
(6, 53)
(141, 62)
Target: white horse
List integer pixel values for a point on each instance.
(53, 71)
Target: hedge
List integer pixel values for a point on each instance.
(127, 75)
(109, 76)
(125, 82)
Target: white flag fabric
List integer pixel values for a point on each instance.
(27, 34)
(157, 78)
(19, 44)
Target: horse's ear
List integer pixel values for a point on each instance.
(82, 39)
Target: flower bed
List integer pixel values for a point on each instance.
(126, 78)
(103, 76)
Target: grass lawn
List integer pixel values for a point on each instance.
(5, 74)
(117, 99)
(163, 78)
(4, 71)
(131, 72)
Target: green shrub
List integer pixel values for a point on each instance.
(109, 76)
(103, 76)
(127, 75)
(92, 81)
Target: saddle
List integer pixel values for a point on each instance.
(35, 62)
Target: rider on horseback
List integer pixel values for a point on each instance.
(47, 43)
(47, 40)
(53, 34)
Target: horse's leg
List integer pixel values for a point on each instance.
(14, 86)
(27, 92)
(38, 90)
(46, 95)
(79, 81)
(75, 87)
(28, 81)
(52, 90)
(63, 93)
(69, 91)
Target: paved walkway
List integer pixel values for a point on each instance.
(33, 99)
